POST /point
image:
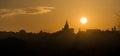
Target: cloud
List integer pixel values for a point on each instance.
(27, 11)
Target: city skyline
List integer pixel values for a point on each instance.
(66, 27)
(60, 27)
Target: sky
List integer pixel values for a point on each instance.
(51, 15)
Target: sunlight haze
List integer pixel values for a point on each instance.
(51, 15)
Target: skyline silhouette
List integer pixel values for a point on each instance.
(60, 27)
(61, 43)
(66, 26)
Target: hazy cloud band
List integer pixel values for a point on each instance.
(29, 10)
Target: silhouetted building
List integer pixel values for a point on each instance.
(22, 31)
(93, 30)
(41, 31)
(114, 28)
(65, 36)
(66, 27)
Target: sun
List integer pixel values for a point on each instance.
(83, 20)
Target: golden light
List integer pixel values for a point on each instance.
(83, 20)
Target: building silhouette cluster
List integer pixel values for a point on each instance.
(65, 42)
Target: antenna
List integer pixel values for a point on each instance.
(118, 19)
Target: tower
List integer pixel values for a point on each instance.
(66, 26)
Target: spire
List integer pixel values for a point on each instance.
(66, 25)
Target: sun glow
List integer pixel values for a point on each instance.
(83, 20)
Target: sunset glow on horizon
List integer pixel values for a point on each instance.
(50, 15)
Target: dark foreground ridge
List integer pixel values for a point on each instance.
(62, 43)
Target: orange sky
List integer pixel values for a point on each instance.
(51, 15)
